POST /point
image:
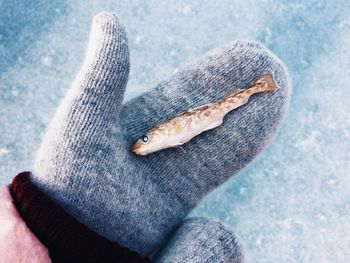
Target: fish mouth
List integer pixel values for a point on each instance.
(135, 149)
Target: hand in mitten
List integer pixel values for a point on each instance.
(201, 240)
(85, 165)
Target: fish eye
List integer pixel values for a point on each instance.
(144, 139)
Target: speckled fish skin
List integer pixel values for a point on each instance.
(190, 123)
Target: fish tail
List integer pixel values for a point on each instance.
(265, 83)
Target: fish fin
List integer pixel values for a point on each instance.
(181, 148)
(203, 106)
(182, 113)
(191, 110)
(177, 144)
(214, 124)
(266, 83)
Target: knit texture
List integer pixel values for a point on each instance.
(67, 239)
(85, 165)
(201, 240)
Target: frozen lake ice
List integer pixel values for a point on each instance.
(293, 203)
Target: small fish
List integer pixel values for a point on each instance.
(190, 123)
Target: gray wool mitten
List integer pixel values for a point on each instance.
(201, 240)
(85, 165)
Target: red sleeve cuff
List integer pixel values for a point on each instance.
(67, 239)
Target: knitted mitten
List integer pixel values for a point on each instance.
(85, 165)
(201, 240)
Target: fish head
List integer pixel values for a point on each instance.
(152, 141)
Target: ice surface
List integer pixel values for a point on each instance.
(290, 205)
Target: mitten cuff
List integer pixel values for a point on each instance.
(67, 239)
